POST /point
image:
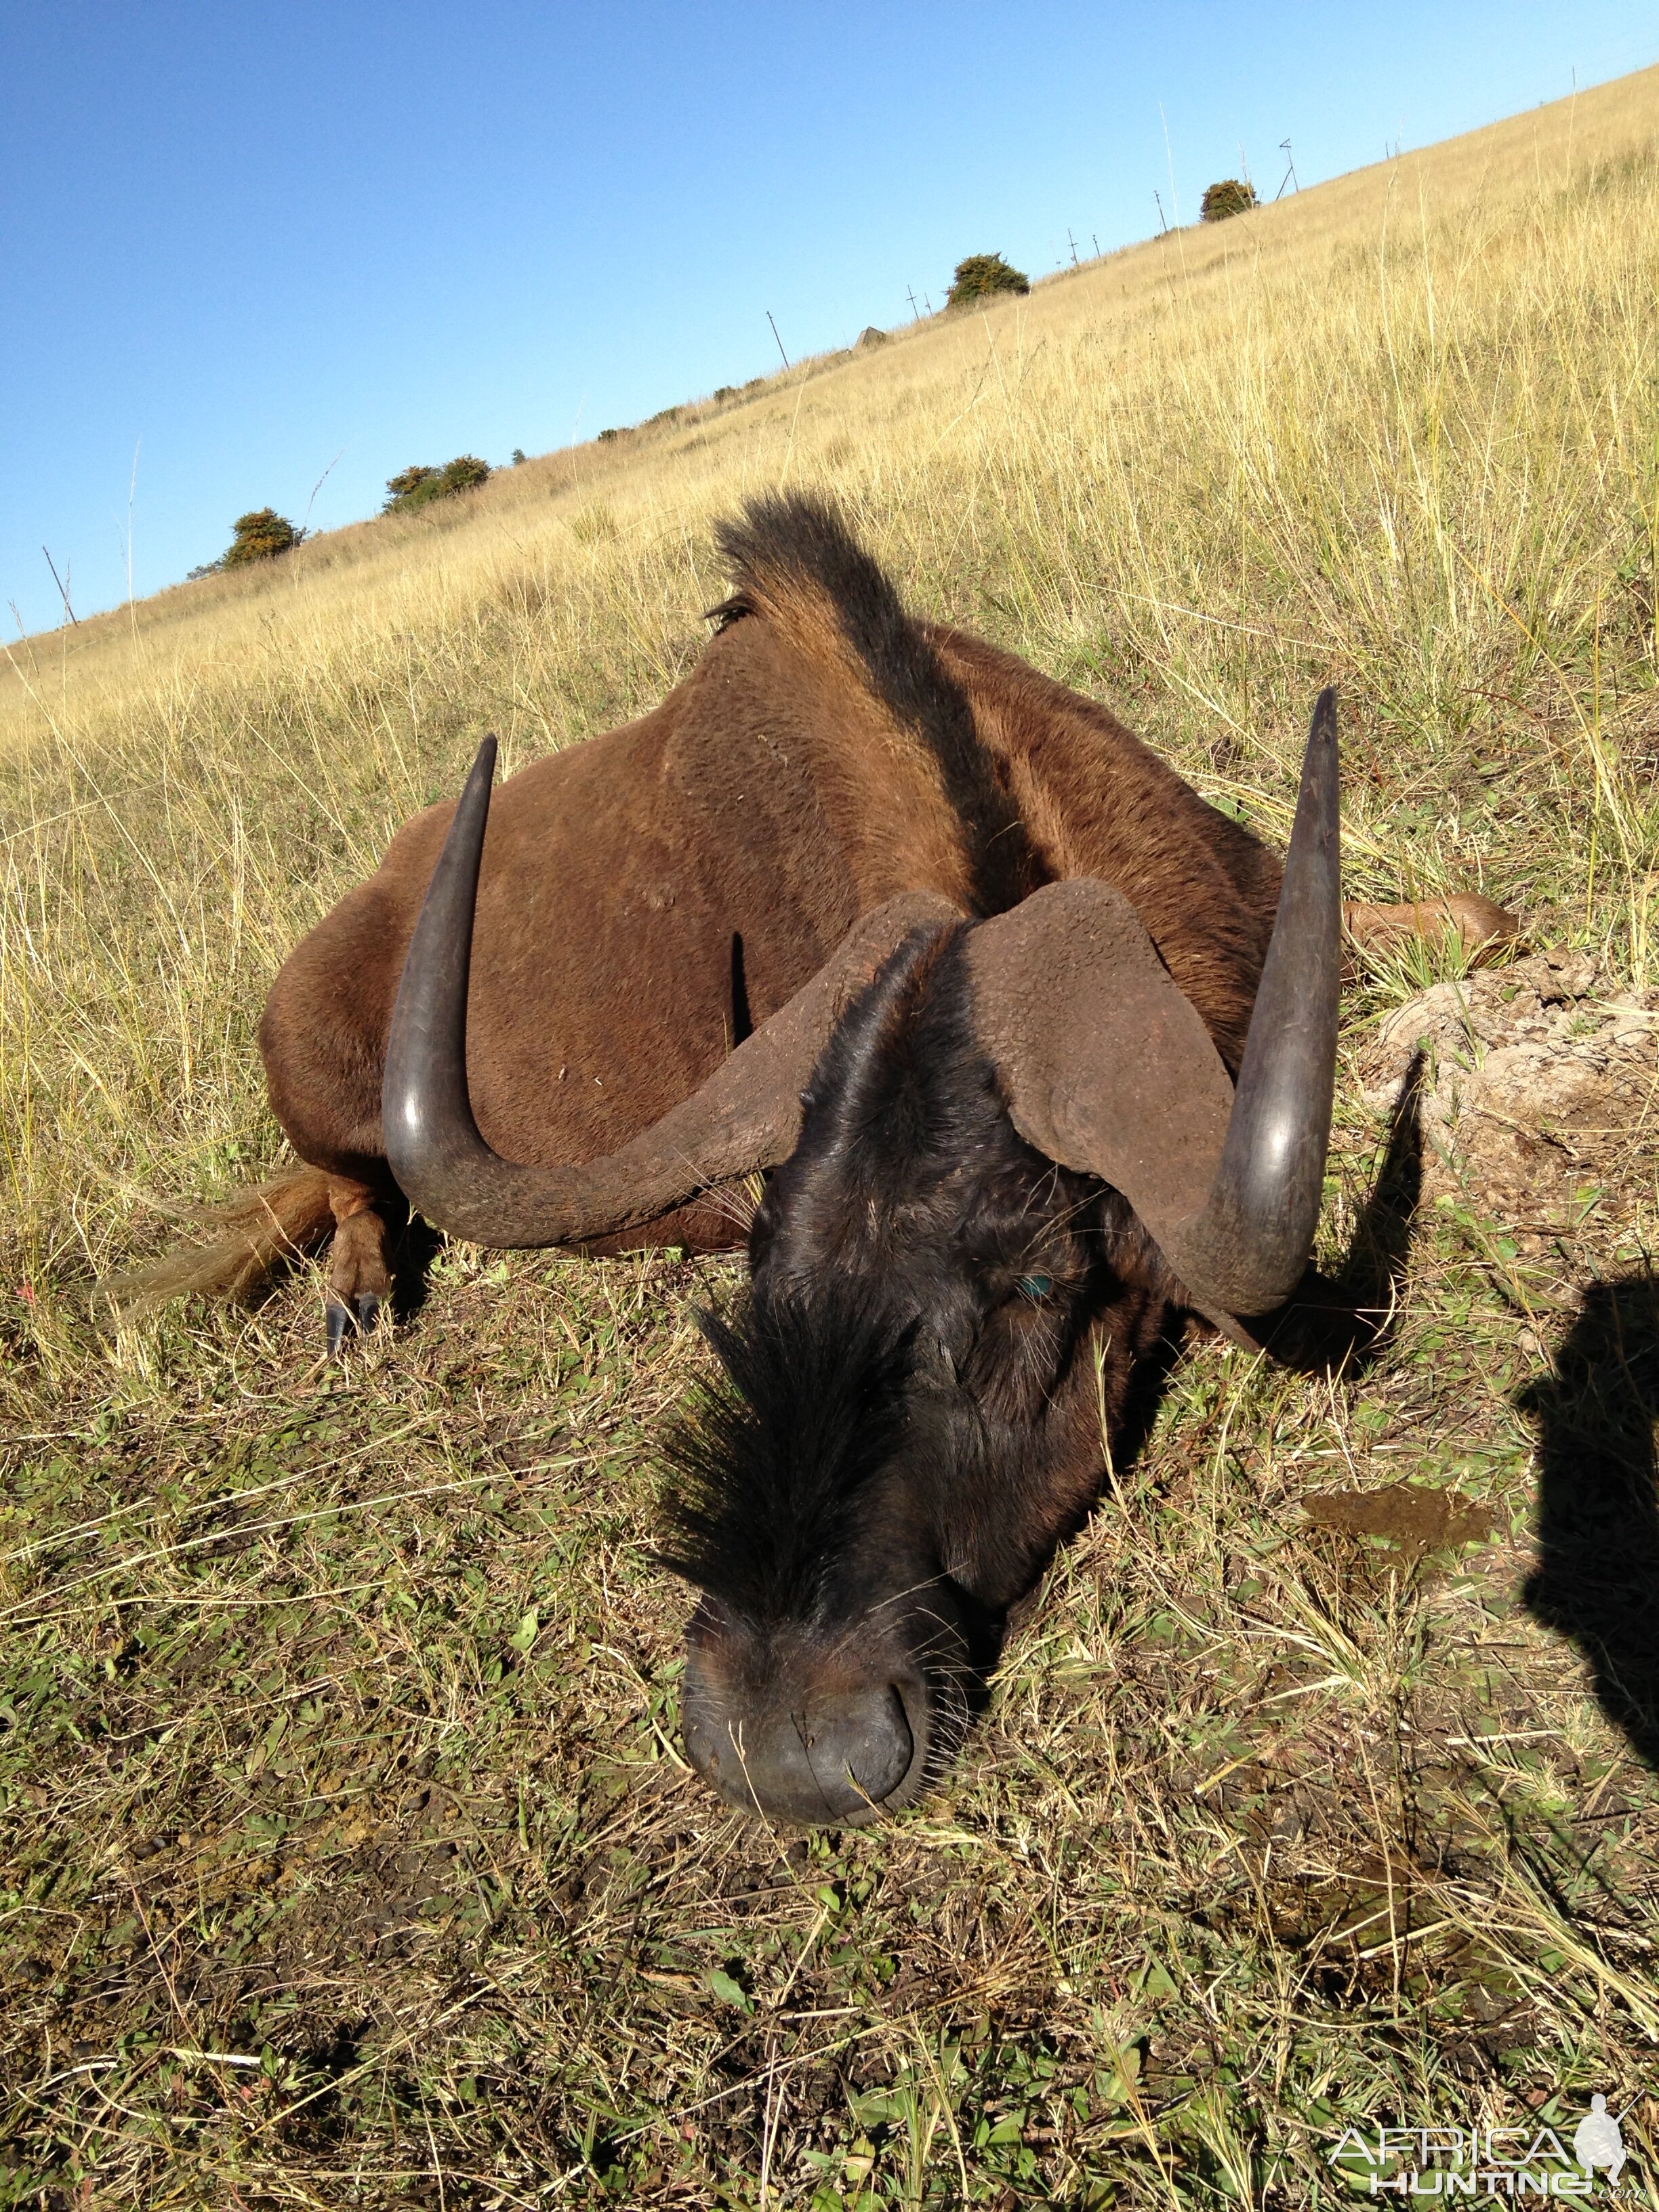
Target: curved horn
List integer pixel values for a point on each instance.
(1249, 1247)
(746, 1115)
(1107, 1068)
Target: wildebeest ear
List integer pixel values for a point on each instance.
(1106, 1067)
(1105, 1064)
(746, 1115)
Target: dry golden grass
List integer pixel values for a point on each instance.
(336, 1718)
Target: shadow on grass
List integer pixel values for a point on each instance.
(1344, 1321)
(412, 1246)
(1597, 1579)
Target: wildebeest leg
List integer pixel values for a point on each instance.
(357, 1277)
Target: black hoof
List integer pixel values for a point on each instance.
(338, 1322)
(368, 1309)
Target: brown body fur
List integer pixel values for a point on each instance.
(618, 876)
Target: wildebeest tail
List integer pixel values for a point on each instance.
(795, 562)
(258, 1228)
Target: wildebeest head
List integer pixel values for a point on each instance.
(939, 1320)
(1003, 1149)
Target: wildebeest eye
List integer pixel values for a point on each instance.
(1022, 1346)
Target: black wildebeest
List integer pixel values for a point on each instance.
(871, 904)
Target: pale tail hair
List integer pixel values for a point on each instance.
(259, 1229)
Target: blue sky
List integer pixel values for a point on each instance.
(239, 241)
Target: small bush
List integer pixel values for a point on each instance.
(418, 486)
(983, 275)
(605, 436)
(725, 391)
(464, 473)
(1227, 198)
(408, 485)
(260, 534)
(518, 456)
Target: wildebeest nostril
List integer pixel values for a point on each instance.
(859, 1745)
(837, 1760)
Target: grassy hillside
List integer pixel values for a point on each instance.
(351, 1859)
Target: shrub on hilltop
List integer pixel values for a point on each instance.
(418, 486)
(401, 489)
(259, 535)
(981, 276)
(1230, 197)
(464, 473)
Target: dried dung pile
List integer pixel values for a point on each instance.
(1540, 1096)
